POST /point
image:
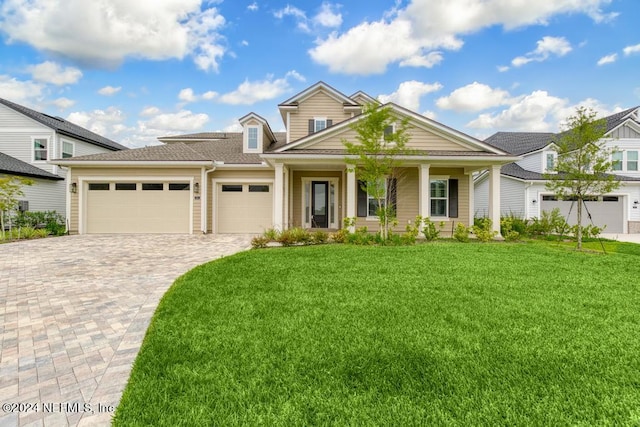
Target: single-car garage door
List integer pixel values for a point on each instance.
(138, 207)
(244, 208)
(604, 210)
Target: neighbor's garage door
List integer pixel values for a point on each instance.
(137, 207)
(606, 210)
(244, 208)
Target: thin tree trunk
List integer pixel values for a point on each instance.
(579, 231)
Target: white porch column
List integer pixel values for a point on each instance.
(424, 191)
(278, 196)
(494, 197)
(472, 209)
(286, 197)
(351, 196)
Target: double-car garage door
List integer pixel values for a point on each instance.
(604, 210)
(138, 207)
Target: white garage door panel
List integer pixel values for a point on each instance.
(138, 211)
(609, 213)
(244, 212)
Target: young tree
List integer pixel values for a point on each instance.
(381, 139)
(583, 164)
(10, 191)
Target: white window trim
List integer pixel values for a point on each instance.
(393, 130)
(258, 149)
(315, 123)
(439, 178)
(73, 148)
(544, 160)
(625, 161)
(33, 149)
(369, 217)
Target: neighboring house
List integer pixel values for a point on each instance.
(250, 181)
(523, 183)
(30, 140)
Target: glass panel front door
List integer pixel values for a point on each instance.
(319, 204)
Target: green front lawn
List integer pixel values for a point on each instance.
(440, 333)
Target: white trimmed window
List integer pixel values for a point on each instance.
(252, 138)
(616, 160)
(40, 149)
(632, 161)
(439, 192)
(67, 149)
(320, 123)
(549, 161)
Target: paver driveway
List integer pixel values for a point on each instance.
(73, 313)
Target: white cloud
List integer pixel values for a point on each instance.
(536, 112)
(547, 46)
(328, 16)
(182, 121)
(503, 68)
(187, 95)
(629, 50)
(608, 59)
(105, 33)
(64, 103)
(251, 92)
(299, 15)
(21, 92)
(53, 73)
(235, 126)
(425, 26)
(428, 61)
(430, 114)
(473, 97)
(98, 121)
(409, 93)
(149, 111)
(109, 90)
(253, 6)
(244, 43)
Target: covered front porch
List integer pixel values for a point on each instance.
(319, 195)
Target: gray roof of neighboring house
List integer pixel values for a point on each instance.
(516, 171)
(12, 166)
(65, 127)
(520, 143)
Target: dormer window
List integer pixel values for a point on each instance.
(252, 138)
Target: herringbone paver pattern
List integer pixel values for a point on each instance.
(73, 313)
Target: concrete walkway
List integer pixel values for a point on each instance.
(73, 313)
(631, 238)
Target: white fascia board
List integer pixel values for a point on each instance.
(242, 166)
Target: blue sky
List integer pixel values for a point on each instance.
(136, 70)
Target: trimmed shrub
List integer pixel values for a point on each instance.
(461, 233)
(482, 229)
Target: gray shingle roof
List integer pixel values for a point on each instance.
(205, 146)
(516, 171)
(178, 151)
(338, 152)
(65, 127)
(12, 166)
(520, 143)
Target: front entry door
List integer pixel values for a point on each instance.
(320, 204)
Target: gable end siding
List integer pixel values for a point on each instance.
(317, 105)
(625, 132)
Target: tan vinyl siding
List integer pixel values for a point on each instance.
(146, 173)
(420, 139)
(241, 176)
(317, 105)
(295, 214)
(408, 199)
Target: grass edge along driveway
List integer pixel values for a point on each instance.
(487, 334)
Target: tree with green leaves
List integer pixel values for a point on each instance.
(10, 191)
(583, 165)
(382, 138)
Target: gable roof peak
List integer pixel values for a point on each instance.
(320, 85)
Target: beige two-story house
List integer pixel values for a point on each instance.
(250, 181)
